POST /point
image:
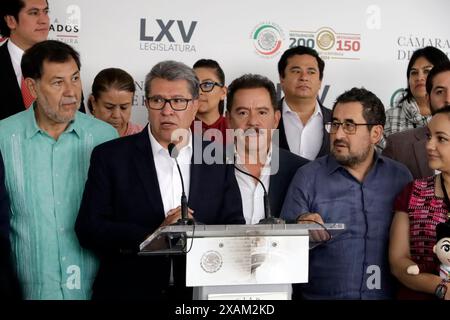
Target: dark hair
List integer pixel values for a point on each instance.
(432, 54)
(443, 67)
(373, 108)
(172, 70)
(299, 50)
(48, 50)
(111, 78)
(214, 65)
(252, 81)
(445, 109)
(442, 230)
(10, 8)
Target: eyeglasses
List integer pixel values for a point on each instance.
(348, 127)
(177, 104)
(208, 86)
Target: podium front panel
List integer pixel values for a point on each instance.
(219, 261)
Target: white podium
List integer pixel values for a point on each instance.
(241, 262)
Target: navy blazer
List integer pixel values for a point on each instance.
(11, 101)
(325, 148)
(122, 206)
(280, 181)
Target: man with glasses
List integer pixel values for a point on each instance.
(209, 120)
(355, 186)
(134, 187)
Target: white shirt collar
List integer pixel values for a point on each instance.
(16, 58)
(287, 109)
(157, 148)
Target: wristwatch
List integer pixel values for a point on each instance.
(441, 290)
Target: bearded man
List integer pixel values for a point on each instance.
(355, 186)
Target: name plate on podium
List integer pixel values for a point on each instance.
(247, 260)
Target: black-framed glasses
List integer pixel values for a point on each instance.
(348, 127)
(208, 86)
(177, 104)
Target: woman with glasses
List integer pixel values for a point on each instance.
(212, 95)
(413, 110)
(418, 209)
(111, 100)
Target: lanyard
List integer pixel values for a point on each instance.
(446, 200)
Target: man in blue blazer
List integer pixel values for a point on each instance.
(134, 187)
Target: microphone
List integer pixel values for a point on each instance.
(268, 217)
(173, 152)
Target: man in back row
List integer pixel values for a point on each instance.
(302, 129)
(26, 23)
(408, 147)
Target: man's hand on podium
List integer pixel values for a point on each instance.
(174, 215)
(316, 235)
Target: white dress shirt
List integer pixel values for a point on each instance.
(303, 140)
(252, 193)
(166, 169)
(16, 58)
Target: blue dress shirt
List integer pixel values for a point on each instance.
(354, 264)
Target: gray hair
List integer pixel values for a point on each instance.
(173, 70)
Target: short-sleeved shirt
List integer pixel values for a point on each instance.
(45, 181)
(425, 210)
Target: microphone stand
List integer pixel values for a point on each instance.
(268, 217)
(173, 152)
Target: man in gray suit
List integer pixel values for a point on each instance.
(408, 147)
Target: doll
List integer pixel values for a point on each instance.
(441, 249)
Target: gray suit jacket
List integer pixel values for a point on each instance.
(408, 147)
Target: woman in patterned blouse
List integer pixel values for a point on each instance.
(413, 110)
(418, 209)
